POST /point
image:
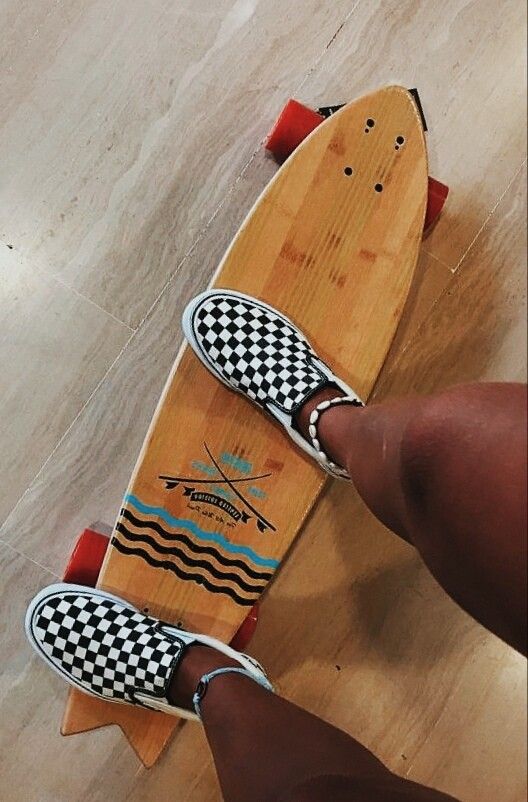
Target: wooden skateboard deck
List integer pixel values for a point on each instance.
(219, 491)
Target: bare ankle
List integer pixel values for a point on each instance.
(302, 417)
(333, 426)
(197, 661)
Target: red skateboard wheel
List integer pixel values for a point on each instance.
(436, 198)
(246, 630)
(86, 558)
(293, 125)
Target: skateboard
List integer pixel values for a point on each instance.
(219, 492)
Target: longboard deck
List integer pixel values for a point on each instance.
(219, 492)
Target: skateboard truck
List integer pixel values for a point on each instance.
(327, 111)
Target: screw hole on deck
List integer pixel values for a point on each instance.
(348, 171)
(378, 187)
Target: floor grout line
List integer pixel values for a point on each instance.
(328, 46)
(28, 558)
(425, 739)
(455, 269)
(459, 680)
(431, 255)
(53, 276)
(49, 274)
(64, 434)
(84, 298)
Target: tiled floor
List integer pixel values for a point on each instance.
(129, 152)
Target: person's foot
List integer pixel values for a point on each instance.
(106, 648)
(258, 351)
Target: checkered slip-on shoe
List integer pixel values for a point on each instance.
(105, 647)
(258, 351)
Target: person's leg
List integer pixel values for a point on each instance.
(267, 749)
(447, 473)
(264, 747)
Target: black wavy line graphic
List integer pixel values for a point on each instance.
(181, 555)
(168, 566)
(171, 536)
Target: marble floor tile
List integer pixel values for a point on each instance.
(54, 349)
(121, 131)
(477, 330)
(488, 709)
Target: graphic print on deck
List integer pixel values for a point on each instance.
(180, 545)
(220, 497)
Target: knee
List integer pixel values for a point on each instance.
(447, 441)
(427, 450)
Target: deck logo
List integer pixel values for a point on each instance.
(222, 491)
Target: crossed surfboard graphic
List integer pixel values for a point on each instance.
(248, 511)
(184, 549)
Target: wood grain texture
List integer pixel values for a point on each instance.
(317, 240)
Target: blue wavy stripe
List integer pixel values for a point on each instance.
(209, 537)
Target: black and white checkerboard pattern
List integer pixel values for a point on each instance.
(105, 647)
(257, 351)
